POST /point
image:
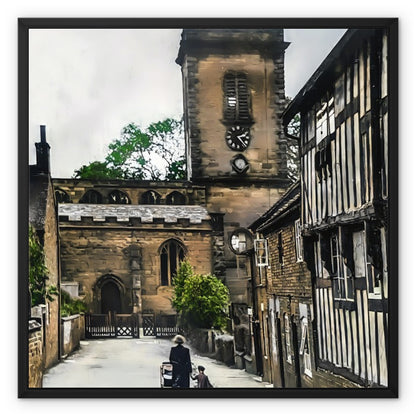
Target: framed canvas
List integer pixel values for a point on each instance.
(208, 203)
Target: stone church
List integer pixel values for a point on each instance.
(121, 241)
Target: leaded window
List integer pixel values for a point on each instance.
(172, 253)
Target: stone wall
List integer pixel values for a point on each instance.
(76, 189)
(72, 330)
(212, 343)
(91, 252)
(288, 291)
(52, 263)
(35, 372)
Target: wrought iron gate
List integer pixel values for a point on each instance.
(148, 324)
(126, 325)
(111, 325)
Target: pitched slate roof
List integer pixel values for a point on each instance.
(38, 194)
(330, 68)
(147, 213)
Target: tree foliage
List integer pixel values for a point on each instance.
(155, 153)
(70, 306)
(38, 272)
(201, 300)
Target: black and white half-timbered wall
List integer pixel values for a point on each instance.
(344, 139)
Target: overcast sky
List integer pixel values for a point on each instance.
(85, 85)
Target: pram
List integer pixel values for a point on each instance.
(166, 370)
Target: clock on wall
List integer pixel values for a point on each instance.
(240, 164)
(238, 137)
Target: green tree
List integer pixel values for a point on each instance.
(155, 153)
(38, 272)
(201, 300)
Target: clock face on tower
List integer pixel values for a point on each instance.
(238, 138)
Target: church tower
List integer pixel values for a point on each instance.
(233, 89)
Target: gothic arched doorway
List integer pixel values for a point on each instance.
(110, 298)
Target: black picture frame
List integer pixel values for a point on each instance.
(26, 24)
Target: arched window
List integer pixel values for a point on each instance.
(175, 198)
(172, 252)
(118, 197)
(150, 198)
(91, 197)
(61, 196)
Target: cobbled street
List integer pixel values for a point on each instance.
(127, 363)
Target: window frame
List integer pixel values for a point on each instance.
(305, 343)
(298, 241)
(262, 260)
(342, 280)
(165, 249)
(288, 338)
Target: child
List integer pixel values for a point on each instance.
(203, 381)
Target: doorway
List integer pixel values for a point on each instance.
(110, 298)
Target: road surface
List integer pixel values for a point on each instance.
(131, 363)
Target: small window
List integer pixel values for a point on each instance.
(298, 241)
(118, 197)
(150, 198)
(373, 259)
(288, 341)
(262, 252)
(322, 121)
(304, 349)
(175, 198)
(342, 280)
(280, 248)
(91, 197)
(331, 115)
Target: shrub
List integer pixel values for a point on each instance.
(40, 292)
(201, 300)
(70, 306)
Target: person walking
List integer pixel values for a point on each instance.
(181, 360)
(202, 378)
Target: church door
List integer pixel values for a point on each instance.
(110, 298)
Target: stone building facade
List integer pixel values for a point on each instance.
(43, 218)
(119, 254)
(233, 89)
(121, 241)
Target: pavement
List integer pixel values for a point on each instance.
(135, 363)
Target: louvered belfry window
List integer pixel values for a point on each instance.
(236, 98)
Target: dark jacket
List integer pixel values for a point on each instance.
(181, 360)
(203, 381)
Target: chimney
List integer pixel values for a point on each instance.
(42, 152)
